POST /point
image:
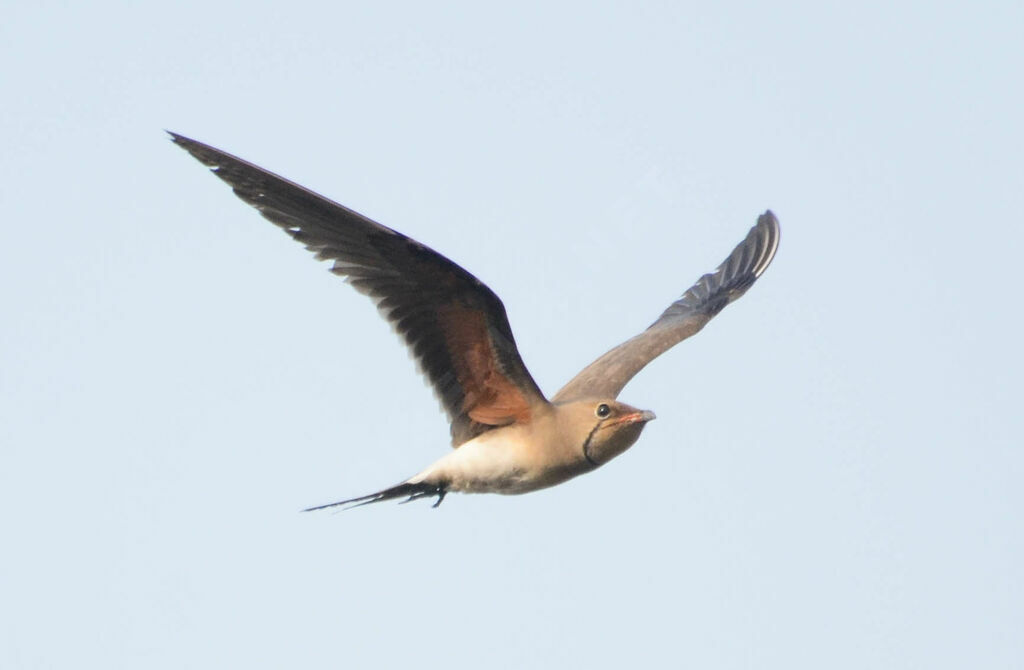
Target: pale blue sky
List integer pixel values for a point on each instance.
(834, 479)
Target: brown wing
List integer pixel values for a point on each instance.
(455, 326)
(605, 377)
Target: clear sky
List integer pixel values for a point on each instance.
(834, 478)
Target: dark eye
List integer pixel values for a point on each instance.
(602, 410)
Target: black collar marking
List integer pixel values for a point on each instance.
(586, 444)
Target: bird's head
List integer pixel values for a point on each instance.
(603, 428)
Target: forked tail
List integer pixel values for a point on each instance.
(414, 491)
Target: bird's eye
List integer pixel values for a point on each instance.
(602, 410)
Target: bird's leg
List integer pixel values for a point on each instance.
(438, 491)
(441, 493)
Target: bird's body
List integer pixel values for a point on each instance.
(525, 457)
(511, 460)
(509, 438)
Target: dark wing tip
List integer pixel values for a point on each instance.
(740, 270)
(767, 233)
(205, 154)
(180, 139)
(730, 280)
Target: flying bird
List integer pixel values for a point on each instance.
(508, 437)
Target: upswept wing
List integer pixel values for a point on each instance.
(605, 377)
(455, 326)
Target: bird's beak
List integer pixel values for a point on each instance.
(643, 416)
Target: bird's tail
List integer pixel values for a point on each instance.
(415, 491)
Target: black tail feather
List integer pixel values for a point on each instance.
(414, 491)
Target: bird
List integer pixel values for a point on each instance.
(508, 438)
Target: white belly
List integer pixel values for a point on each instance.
(496, 462)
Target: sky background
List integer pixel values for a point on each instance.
(834, 478)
